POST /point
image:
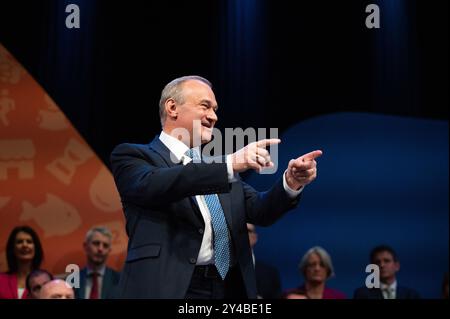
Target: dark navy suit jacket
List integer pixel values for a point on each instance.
(165, 226)
(109, 284)
(268, 281)
(374, 293)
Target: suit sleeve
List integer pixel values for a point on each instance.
(264, 208)
(143, 182)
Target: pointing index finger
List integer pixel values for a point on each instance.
(312, 155)
(267, 142)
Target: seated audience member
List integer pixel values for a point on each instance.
(56, 289)
(35, 280)
(23, 254)
(97, 281)
(386, 258)
(268, 284)
(316, 267)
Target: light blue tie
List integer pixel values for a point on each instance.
(220, 229)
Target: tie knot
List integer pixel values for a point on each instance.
(389, 291)
(193, 154)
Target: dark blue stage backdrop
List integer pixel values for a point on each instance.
(382, 180)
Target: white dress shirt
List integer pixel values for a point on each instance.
(20, 292)
(178, 149)
(389, 291)
(88, 288)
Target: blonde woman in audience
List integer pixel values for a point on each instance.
(316, 267)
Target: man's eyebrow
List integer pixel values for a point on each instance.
(205, 101)
(209, 104)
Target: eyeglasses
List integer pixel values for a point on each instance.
(315, 264)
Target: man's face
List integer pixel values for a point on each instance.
(36, 284)
(316, 271)
(97, 249)
(388, 267)
(199, 105)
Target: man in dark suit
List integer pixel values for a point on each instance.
(386, 258)
(97, 281)
(268, 283)
(186, 214)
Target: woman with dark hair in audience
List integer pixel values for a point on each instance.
(24, 254)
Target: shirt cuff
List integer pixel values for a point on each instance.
(291, 192)
(231, 177)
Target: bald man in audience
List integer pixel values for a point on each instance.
(57, 289)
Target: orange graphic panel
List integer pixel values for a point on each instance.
(50, 179)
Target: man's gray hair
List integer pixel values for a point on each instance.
(99, 229)
(173, 90)
(324, 257)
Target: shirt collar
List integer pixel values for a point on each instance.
(100, 271)
(392, 287)
(175, 146)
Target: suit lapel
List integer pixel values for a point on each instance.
(162, 151)
(105, 283)
(165, 155)
(225, 200)
(82, 289)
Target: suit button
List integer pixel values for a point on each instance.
(192, 260)
(201, 231)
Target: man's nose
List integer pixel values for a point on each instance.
(212, 116)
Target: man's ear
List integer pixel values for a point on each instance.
(171, 108)
(397, 266)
